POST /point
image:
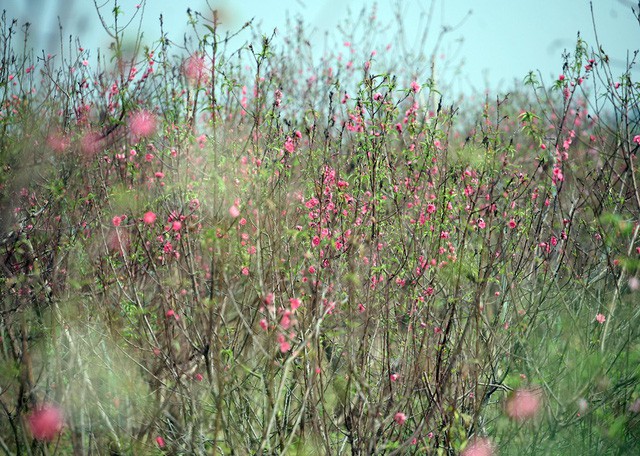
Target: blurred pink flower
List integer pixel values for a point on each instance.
(284, 345)
(46, 422)
(400, 418)
(295, 303)
(172, 314)
(142, 124)
(600, 318)
(234, 211)
(289, 145)
(160, 442)
(524, 404)
(90, 142)
(149, 217)
(195, 69)
(479, 447)
(57, 142)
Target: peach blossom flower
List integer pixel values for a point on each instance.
(46, 422)
(142, 124)
(524, 404)
(479, 447)
(149, 217)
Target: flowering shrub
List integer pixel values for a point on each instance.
(249, 252)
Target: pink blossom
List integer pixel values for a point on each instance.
(600, 318)
(479, 447)
(394, 377)
(90, 143)
(284, 345)
(294, 303)
(202, 140)
(289, 145)
(176, 226)
(195, 69)
(400, 418)
(415, 87)
(149, 217)
(234, 211)
(512, 224)
(268, 299)
(312, 202)
(142, 124)
(524, 404)
(57, 142)
(285, 322)
(46, 422)
(116, 220)
(160, 442)
(636, 139)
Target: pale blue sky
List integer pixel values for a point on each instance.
(499, 42)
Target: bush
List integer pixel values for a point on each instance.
(255, 251)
